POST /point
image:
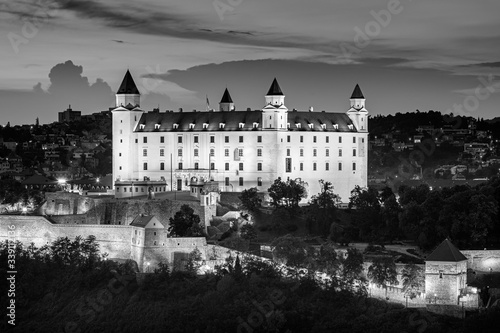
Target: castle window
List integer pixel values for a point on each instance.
(179, 139)
(354, 152)
(354, 166)
(121, 141)
(259, 138)
(162, 166)
(259, 152)
(227, 166)
(145, 166)
(241, 181)
(288, 152)
(255, 125)
(162, 152)
(221, 125)
(259, 181)
(241, 139)
(205, 125)
(179, 152)
(212, 139)
(340, 152)
(314, 166)
(362, 140)
(314, 152)
(301, 166)
(196, 165)
(327, 166)
(288, 138)
(297, 125)
(323, 126)
(196, 139)
(350, 126)
(327, 152)
(212, 166)
(145, 139)
(314, 139)
(120, 167)
(301, 138)
(155, 243)
(226, 152)
(240, 152)
(226, 139)
(136, 140)
(259, 166)
(301, 151)
(157, 126)
(162, 139)
(142, 126)
(336, 126)
(125, 190)
(212, 152)
(241, 125)
(196, 152)
(354, 140)
(191, 125)
(340, 166)
(327, 139)
(340, 139)
(240, 167)
(287, 125)
(180, 166)
(176, 126)
(440, 274)
(144, 152)
(119, 154)
(226, 181)
(311, 126)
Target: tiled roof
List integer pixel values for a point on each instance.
(240, 121)
(357, 92)
(446, 251)
(226, 98)
(275, 89)
(141, 221)
(128, 85)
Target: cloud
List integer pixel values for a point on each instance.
(67, 86)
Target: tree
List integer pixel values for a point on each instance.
(351, 267)
(413, 279)
(326, 199)
(292, 251)
(250, 199)
(248, 232)
(185, 223)
(286, 194)
(194, 262)
(382, 272)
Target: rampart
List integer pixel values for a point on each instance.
(483, 260)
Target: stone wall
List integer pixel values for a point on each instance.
(483, 260)
(60, 206)
(443, 281)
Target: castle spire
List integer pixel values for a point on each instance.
(128, 85)
(275, 89)
(357, 94)
(128, 95)
(226, 103)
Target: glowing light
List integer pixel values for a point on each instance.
(97, 180)
(25, 209)
(61, 181)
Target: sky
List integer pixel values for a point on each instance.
(405, 54)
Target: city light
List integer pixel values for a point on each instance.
(61, 181)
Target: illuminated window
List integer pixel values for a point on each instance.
(259, 181)
(179, 152)
(259, 152)
(144, 152)
(162, 152)
(340, 152)
(301, 152)
(226, 152)
(212, 152)
(196, 152)
(327, 152)
(314, 152)
(240, 152)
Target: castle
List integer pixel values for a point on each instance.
(162, 151)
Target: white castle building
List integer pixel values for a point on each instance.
(161, 151)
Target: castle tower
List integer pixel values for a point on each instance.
(275, 113)
(357, 111)
(124, 120)
(445, 274)
(128, 95)
(226, 103)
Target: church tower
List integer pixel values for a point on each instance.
(226, 103)
(358, 112)
(128, 95)
(275, 113)
(124, 120)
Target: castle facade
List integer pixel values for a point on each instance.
(163, 151)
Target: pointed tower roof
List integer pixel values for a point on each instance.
(128, 85)
(357, 92)
(226, 98)
(275, 89)
(446, 251)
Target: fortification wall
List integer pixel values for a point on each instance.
(115, 211)
(115, 240)
(483, 260)
(72, 219)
